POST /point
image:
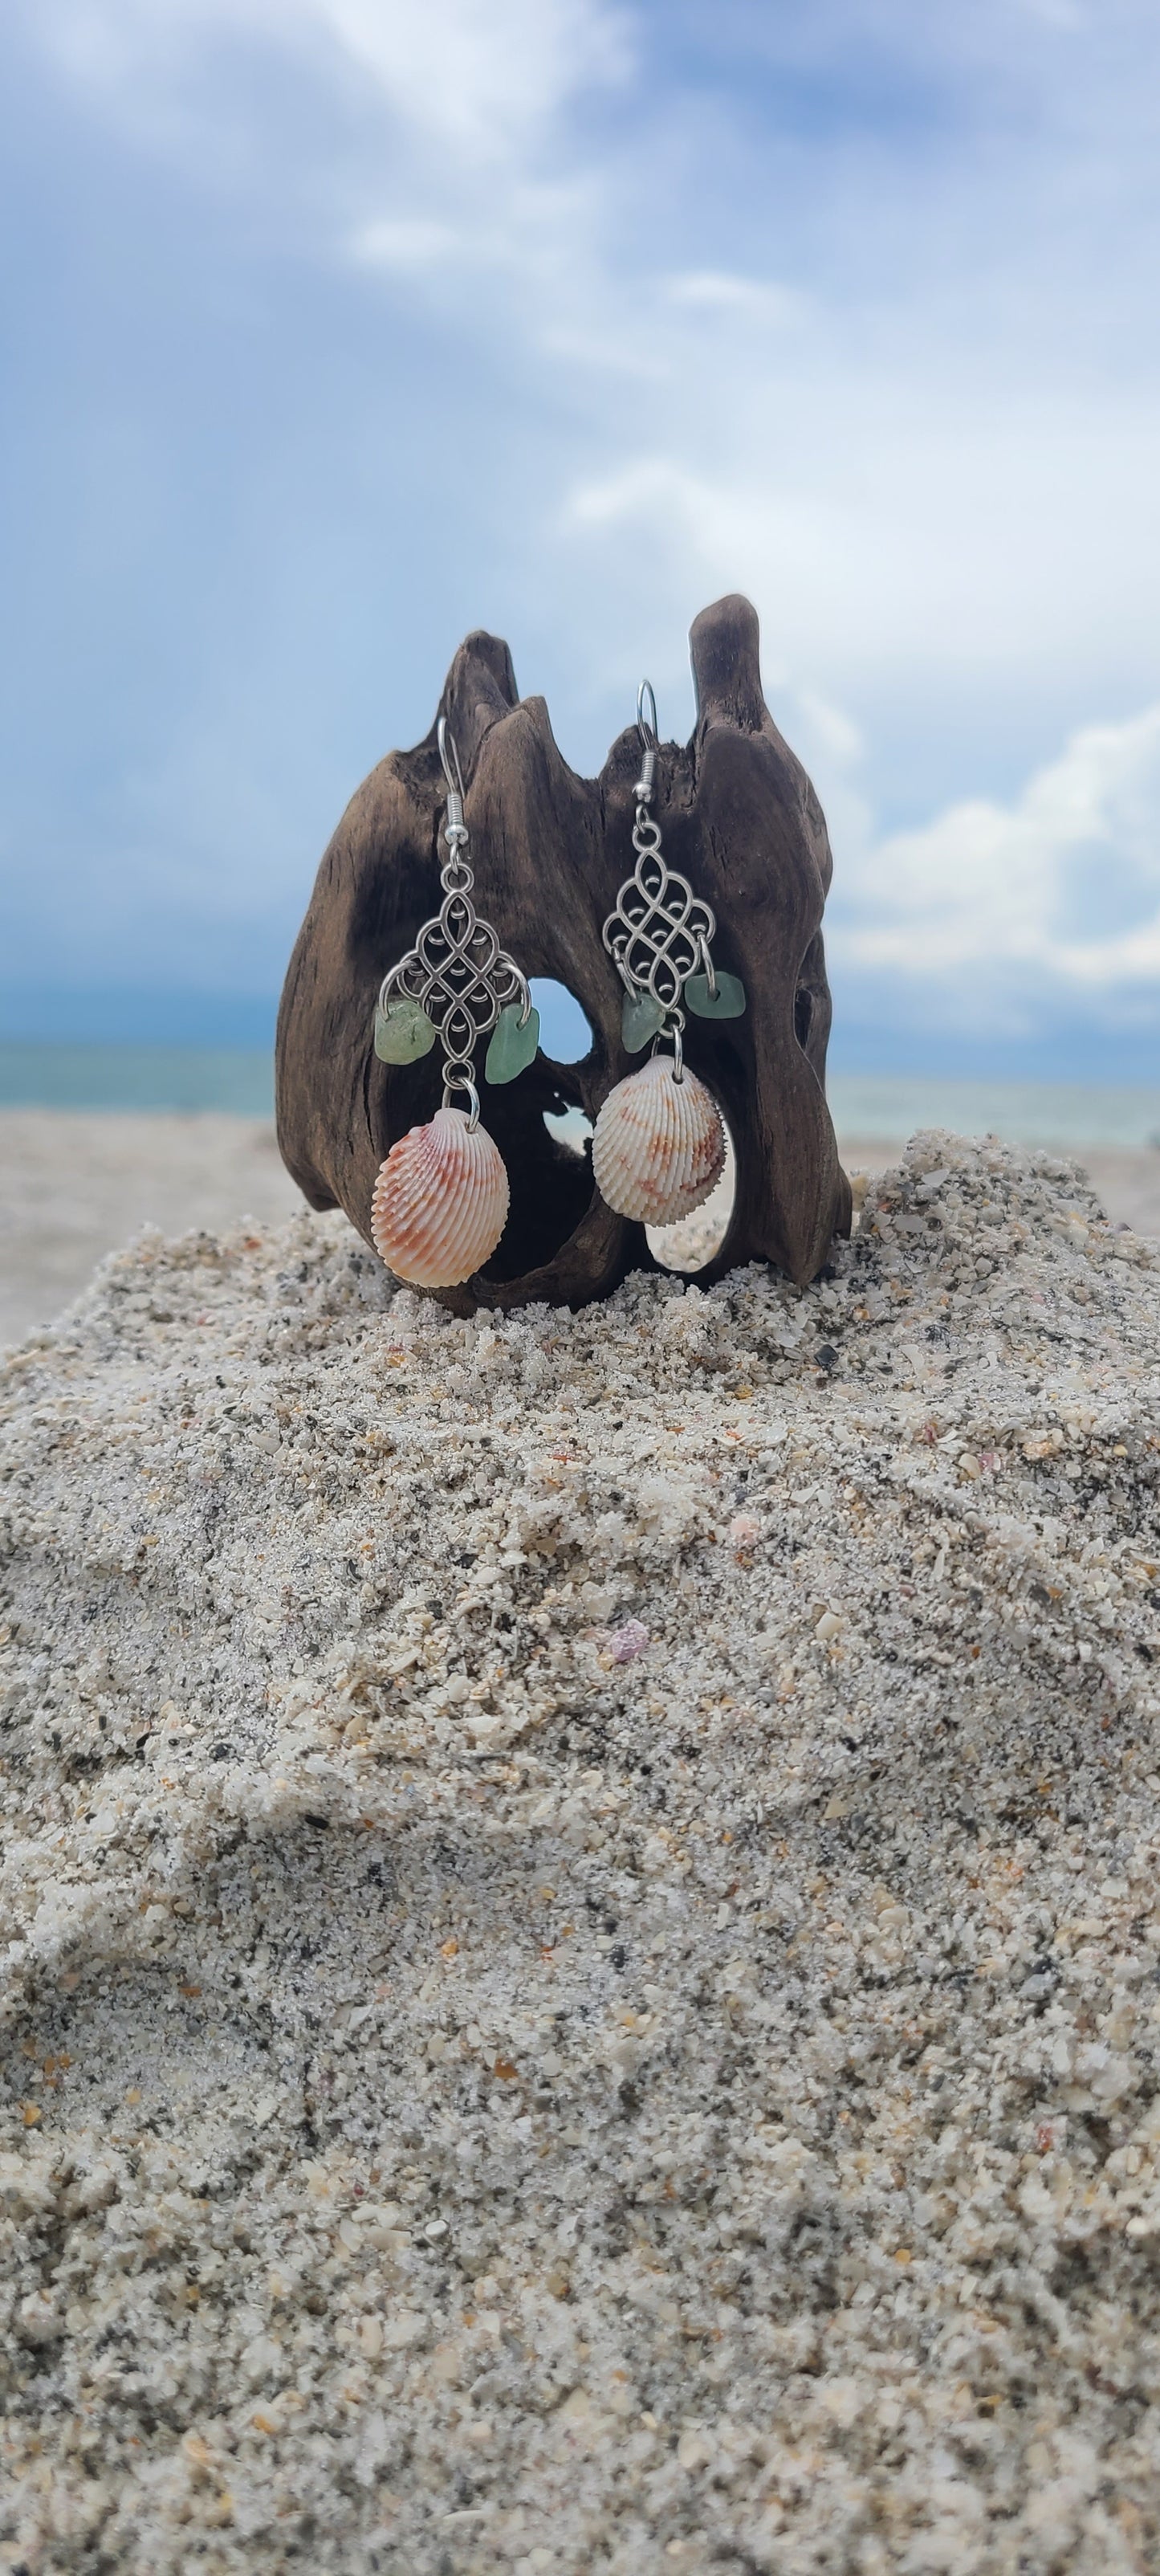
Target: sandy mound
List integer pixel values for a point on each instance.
(581, 1939)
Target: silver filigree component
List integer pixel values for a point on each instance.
(659, 935)
(660, 931)
(457, 973)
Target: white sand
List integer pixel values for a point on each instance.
(582, 1948)
(74, 1187)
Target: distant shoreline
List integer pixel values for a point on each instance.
(239, 1081)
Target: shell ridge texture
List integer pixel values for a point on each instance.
(659, 1145)
(440, 1202)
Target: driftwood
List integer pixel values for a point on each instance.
(550, 851)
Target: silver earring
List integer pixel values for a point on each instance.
(659, 1146)
(441, 1199)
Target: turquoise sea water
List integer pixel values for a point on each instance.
(1029, 1113)
(193, 1078)
(45, 1076)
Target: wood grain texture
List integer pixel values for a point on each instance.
(550, 851)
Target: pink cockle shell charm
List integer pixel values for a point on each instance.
(440, 1202)
(659, 1145)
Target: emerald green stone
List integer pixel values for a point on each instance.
(403, 1032)
(727, 1003)
(640, 1019)
(512, 1048)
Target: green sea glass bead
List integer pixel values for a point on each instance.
(727, 1003)
(640, 1019)
(512, 1048)
(403, 1032)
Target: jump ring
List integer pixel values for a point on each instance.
(454, 1079)
(672, 1027)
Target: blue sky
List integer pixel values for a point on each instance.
(333, 328)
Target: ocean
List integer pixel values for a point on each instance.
(240, 1081)
(49, 1076)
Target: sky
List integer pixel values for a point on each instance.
(332, 329)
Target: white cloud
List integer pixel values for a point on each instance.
(893, 379)
(1010, 541)
(754, 299)
(409, 244)
(1062, 885)
(478, 74)
(1055, 13)
(483, 74)
(443, 124)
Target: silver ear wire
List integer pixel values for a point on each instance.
(646, 725)
(454, 777)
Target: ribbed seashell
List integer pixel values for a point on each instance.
(440, 1202)
(659, 1144)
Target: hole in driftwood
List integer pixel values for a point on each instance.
(696, 1240)
(570, 1127)
(565, 1033)
(803, 1012)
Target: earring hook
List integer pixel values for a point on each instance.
(646, 725)
(454, 827)
(451, 769)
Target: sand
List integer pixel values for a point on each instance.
(582, 1956)
(75, 1186)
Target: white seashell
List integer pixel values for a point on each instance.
(440, 1202)
(659, 1145)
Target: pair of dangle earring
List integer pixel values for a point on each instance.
(441, 1199)
(659, 1145)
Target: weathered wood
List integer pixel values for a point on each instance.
(550, 851)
